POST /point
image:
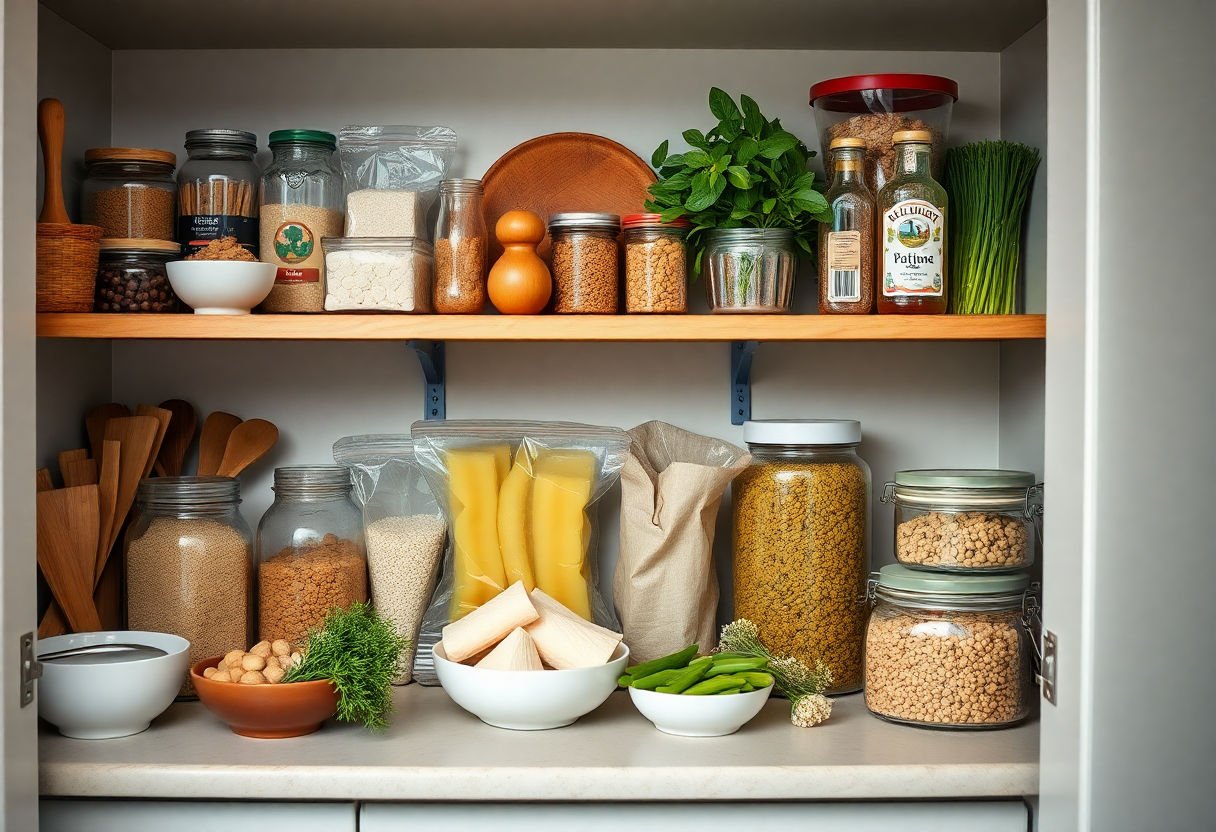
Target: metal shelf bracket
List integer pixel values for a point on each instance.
(430, 356)
(741, 353)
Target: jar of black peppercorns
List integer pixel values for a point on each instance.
(131, 276)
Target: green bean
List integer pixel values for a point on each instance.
(721, 657)
(718, 684)
(687, 677)
(655, 679)
(757, 679)
(747, 688)
(680, 659)
(625, 681)
(737, 666)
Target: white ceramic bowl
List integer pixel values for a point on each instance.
(221, 287)
(699, 716)
(529, 700)
(116, 699)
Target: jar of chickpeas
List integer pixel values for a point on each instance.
(801, 542)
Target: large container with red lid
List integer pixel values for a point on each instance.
(656, 264)
(874, 107)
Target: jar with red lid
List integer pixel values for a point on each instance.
(875, 107)
(656, 264)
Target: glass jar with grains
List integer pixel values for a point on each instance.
(950, 651)
(460, 248)
(311, 556)
(189, 564)
(217, 190)
(846, 244)
(129, 192)
(585, 262)
(300, 201)
(656, 263)
(963, 520)
(801, 542)
(132, 276)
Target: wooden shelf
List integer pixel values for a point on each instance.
(545, 327)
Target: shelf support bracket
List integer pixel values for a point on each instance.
(741, 353)
(430, 356)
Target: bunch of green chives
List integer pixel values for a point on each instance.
(988, 184)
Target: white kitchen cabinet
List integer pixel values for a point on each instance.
(217, 816)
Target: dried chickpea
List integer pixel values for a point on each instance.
(274, 673)
(221, 676)
(252, 677)
(233, 658)
(281, 647)
(262, 648)
(209, 672)
(252, 661)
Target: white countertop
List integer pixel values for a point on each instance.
(435, 751)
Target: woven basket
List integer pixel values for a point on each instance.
(67, 266)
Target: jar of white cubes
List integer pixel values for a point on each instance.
(377, 274)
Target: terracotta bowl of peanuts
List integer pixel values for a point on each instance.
(244, 688)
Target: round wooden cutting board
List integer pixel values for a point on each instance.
(564, 172)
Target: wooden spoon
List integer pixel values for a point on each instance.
(67, 540)
(179, 438)
(50, 135)
(95, 423)
(249, 442)
(80, 472)
(163, 417)
(214, 441)
(136, 435)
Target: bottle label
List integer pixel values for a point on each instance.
(844, 266)
(196, 231)
(286, 276)
(912, 249)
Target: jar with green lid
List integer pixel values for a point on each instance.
(950, 651)
(801, 542)
(964, 519)
(217, 190)
(300, 202)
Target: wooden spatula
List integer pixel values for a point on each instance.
(68, 457)
(249, 442)
(79, 472)
(177, 441)
(107, 498)
(67, 540)
(163, 417)
(214, 441)
(136, 436)
(43, 480)
(95, 423)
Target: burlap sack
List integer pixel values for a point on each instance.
(665, 586)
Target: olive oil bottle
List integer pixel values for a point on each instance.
(912, 232)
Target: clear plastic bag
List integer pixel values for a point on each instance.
(403, 526)
(520, 498)
(392, 175)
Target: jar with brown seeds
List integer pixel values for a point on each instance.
(132, 276)
(460, 248)
(656, 264)
(801, 542)
(130, 192)
(586, 268)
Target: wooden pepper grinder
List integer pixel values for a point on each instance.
(519, 282)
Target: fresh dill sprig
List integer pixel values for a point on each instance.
(802, 685)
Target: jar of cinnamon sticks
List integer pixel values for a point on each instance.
(217, 190)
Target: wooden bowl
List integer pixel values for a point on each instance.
(266, 711)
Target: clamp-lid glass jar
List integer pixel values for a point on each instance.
(585, 261)
(129, 192)
(965, 520)
(132, 276)
(217, 190)
(188, 556)
(801, 542)
(949, 651)
(311, 555)
(656, 263)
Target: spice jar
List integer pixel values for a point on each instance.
(189, 564)
(129, 192)
(656, 264)
(949, 651)
(132, 277)
(300, 201)
(585, 267)
(846, 244)
(960, 520)
(801, 542)
(311, 556)
(460, 248)
(217, 189)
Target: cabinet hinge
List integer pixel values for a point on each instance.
(31, 669)
(1047, 671)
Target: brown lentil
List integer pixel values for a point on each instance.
(133, 211)
(974, 539)
(946, 669)
(877, 129)
(800, 561)
(460, 271)
(299, 585)
(656, 275)
(585, 274)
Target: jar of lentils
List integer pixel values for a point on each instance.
(801, 542)
(949, 651)
(132, 276)
(656, 264)
(964, 520)
(585, 262)
(130, 192)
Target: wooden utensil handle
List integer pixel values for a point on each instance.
(50, 135)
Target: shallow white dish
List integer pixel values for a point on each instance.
(110, 698)
(529, 700)
(699, 716)
(221, 287)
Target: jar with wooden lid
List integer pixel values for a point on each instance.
(132, 276)
(129, 192)
(585, 262)
(217, 190)
(461, 238)
(846, 244)
(656, 263)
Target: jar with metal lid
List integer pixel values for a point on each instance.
(964, 520)
(188, 556)
(217, 190)
(585, 261)
(460, 248)
(299, 202)
(310, 549)
(130, 192)
(656, 263)
(132, 276)
(950, 651)
(801, 542)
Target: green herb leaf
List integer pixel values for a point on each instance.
(753, 121)
(696, 138)
(675, 160)
(739, 177)
(747, 150)
(777, 145)
(660, 153)
(723, 106)
(730, 130)
(697, 159)
(768, 205)
(810, 200)
(671, 214)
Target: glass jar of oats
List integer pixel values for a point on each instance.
(949, 651)
(801, 542)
